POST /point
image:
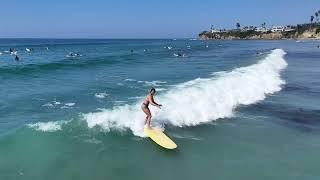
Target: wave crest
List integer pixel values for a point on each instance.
(200, 100)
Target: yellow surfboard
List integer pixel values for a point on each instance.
(160, 138)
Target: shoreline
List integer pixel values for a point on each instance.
(250, 39)
(305, 31)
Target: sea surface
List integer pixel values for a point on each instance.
(236, 109)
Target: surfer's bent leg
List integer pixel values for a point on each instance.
(148, 118)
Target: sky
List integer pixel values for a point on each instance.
(143, 18)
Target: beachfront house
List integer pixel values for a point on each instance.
(277, 28)
(215, 30)
(282, 28)
(289, 28)
(262, 29)
(248, 28)
(223, 30)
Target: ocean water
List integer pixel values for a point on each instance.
(236, 109)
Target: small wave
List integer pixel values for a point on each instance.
(153, 83)
(130, 80)
(50, 126)
(56, 102)
(119, 102)
(70, 104)
(52, 104)
(161, 89)
(186, 137)
(67, 105)
(48, 105)
(52, 66)
(137, 97)
(200, 100)
(101, 95)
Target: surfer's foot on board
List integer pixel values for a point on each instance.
(148, 126)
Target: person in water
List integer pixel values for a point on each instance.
(145, 106)
(17, 58)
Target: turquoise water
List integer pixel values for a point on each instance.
(236, 109)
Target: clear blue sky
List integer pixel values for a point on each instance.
(143, 18)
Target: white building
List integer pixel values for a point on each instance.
(277, 28)
(215, 30)
(262, 29)
(288, 28)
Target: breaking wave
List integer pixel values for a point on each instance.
(200, 100)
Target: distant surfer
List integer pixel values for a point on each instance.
(145, 106)
(17, 58)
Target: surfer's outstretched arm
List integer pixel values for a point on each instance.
(151, 100)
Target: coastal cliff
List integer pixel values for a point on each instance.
(305, 31)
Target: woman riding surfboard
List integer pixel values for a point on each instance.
(145, 106)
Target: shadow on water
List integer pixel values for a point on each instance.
(156, 148)
(296, 88)
(301, 118)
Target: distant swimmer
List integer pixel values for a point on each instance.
(29, 49)
(318, 46)
(11, 51)
(179, 55)
(131, 50)
(145, 106)
(73, 55)
(17, 58)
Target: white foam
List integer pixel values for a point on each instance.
(56, 102)
(161, 89)
(153, 83)
(50, 126)
(137, 97)
(70, 104)
(101, 95)
(200, 100)
(130, 80)
(48, 105)
(67, 105)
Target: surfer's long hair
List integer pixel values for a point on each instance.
(152, 90)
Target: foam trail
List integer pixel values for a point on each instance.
(50, 126)
(200, 100)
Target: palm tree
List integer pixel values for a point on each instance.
(311, 18)
(316, 14)
(263, 25)
(238, 25)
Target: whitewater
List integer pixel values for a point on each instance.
(200, 100)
